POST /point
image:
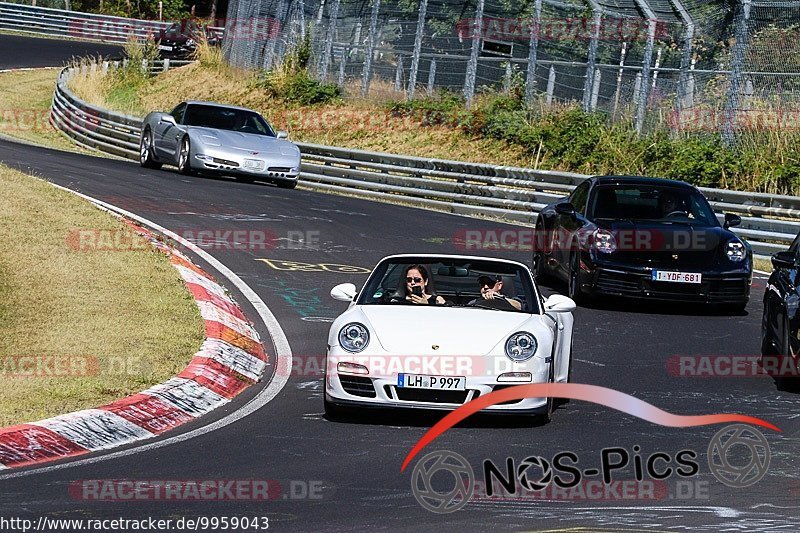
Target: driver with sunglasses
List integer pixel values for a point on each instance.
(491, 290)
(416, 290)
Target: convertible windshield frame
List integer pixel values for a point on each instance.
(455, 279)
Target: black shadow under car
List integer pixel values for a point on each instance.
(645, 238)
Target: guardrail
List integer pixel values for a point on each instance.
(74, 24)
(511, 193)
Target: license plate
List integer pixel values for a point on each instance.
(253, 164)
(677, 277)
(417, 381)
(165, 47)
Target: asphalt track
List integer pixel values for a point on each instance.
(357, 464)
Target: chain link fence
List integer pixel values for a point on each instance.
(692, 65)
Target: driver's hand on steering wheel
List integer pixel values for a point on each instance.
(491, 295)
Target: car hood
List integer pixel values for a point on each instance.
(666, 244)
(245, 142)
(414, 330)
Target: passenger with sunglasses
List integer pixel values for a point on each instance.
(491, 290)
(415, 290)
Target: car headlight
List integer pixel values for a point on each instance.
(354, 337)
(520, 346)
(189, 42)
(604, 241)
(735, 251)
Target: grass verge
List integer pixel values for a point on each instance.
(79, 329)
(25, 99)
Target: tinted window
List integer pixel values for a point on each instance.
(224, 118)
(652, 202)
(579, 197)
(178, 113)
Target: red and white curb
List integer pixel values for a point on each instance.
(230, 359)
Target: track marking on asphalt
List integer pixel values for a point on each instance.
(589, 362)
(283, 353)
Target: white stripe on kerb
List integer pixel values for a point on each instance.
(187, 395)
(95, 429)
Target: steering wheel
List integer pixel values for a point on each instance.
(676, 214)
(498, 304)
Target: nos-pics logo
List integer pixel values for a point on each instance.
(443, 481)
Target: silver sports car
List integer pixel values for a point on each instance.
(209, 138)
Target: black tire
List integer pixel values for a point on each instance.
(573, 288)
(786, 383)
(564, 401)
(146, 157)
(287, 184)
(539, 262)
(547, 416)
(184, 156)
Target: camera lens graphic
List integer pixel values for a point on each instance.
(738, 455)
(458, 489)
(529, 483)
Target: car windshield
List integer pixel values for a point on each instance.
(186, 29)
(224, 118)
(456, 281)
(651, 203)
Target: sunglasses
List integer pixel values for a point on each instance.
(485, 282)
(416, 280)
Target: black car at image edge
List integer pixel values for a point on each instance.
(643, 237)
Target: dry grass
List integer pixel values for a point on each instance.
(123, 315)
(25, 98)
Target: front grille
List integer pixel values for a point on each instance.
(357, 386)
(224, 162)
(279, 169)
(616, 282)
(501, 387)
(666, 287)
(728, 288)
(428, 396)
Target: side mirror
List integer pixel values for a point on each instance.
(280, 134)
(167, 119)
(565, 208)
(732, 220)
(344, 292)
(558, 303)
(783, 260)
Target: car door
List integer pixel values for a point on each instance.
(167, 135)
(566, 227)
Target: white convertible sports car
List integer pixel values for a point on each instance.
(436, 331)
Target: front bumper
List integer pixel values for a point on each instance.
(279, 170)
(636, 282)
(383, 392)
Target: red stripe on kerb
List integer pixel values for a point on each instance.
(201, 294)
(216, 376)
(27, 444)
(216, 330)
(177, 260)
(149, 412)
